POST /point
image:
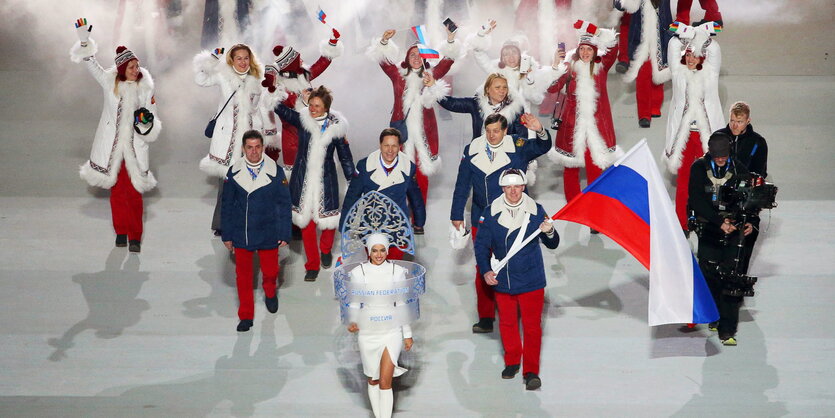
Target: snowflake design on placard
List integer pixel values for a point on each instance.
(340, 288)
(419, 273)
(375, 212)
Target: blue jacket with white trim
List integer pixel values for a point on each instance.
(478, 174)
(525, 272)
(255, 213)
(403, 190)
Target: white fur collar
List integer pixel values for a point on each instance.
(581, 68)
(498, 206)
(245, 180)
(337, 125)
(378, 173)
(510, 111)
(478, 149)
(144, 86)
(249, 82)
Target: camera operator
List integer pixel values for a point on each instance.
(721, 259)
(749, 148)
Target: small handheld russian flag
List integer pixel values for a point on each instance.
(423, 42)
(321, 15)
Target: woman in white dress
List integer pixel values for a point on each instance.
(380, 349)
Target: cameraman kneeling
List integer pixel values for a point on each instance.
(714, 180)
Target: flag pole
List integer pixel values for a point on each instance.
(630, 152)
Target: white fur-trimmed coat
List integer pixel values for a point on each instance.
(531, 87)
(413, 102)
(115, 139)
(695, 98)
(648, 49)
(242, 113)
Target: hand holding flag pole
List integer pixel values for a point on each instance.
(321, 16)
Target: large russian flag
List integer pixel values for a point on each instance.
(629, 203)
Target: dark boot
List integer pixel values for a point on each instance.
(311, 275)
(509, 372)
(532, 381)
(483, 326)
(272, 303)
(327, 260)
(244, 325)
(121, 240)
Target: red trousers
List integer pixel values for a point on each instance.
(648, 95)
(310, 248)
(623, 38)
(484, 295)
(692, 152)
(710, 6)
(571, 177)
(529, 305)
(243, 271)
(126, 206)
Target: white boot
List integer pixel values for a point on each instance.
(374, 397)
(386, 403)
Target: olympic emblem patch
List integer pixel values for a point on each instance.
(520, 142)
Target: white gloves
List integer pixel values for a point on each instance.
(82, 29)
(458, 238)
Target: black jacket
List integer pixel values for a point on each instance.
(700, 198)
(750, 149)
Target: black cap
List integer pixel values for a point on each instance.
(719, 145)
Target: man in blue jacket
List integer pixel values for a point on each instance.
(519, 285)
(390, 172)
(483, 161)
(255, 216)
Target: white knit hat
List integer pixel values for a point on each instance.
(513, 177)
(376, 239)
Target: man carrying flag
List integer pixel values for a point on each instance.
(629, 204)
(518, 282)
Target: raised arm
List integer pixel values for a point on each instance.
(206, 67)
(479, 44)
(329, 49)
(288, 115)
(534, 148)
(539, 80)
(451, 51)
(608, 39)
(713, 57)
(385, 52)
